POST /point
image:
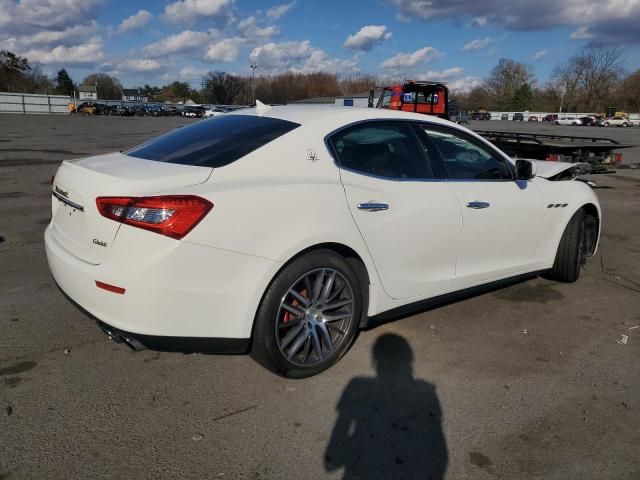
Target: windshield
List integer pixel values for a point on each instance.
(216, 142)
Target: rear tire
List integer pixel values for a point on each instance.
(570, 255)
(322, 297)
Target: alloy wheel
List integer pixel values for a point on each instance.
(314, 317)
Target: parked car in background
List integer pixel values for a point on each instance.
(198, 241)
(480, 116)
(504, 116)
(567, 121)
(616, 122)
(533, 118)
(552, 117)
(213, 112)
(518, 117)
(589, 121)
(460, 117)
(193, 111)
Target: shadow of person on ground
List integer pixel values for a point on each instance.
(389, 426)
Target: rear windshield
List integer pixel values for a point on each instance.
(214, 142)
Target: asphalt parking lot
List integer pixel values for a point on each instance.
(531, 381)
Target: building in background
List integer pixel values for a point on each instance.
(359, 99)
(87, 92)
(134, 95)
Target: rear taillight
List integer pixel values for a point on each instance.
(170, 215)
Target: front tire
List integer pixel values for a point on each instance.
(570, 256)
(309, 315)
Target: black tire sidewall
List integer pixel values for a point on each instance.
(265, 347)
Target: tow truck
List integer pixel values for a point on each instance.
(430, 98)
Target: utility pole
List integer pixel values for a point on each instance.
(202, 89)
(253, 82)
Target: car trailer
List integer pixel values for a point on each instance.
(597, 153)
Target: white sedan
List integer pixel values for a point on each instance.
(616, 122)
(568, 121)
(284, 230)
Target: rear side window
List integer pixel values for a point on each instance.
(215, 142)
(383, 149)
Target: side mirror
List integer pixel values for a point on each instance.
(525, 169)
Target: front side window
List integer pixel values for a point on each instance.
(213, 143)
(383, 149)
(464, 157)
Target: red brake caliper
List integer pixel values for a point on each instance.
(287, 315)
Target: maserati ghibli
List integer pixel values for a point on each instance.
(284, 230)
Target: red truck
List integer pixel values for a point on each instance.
(422, 97)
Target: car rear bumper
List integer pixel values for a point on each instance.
(175, 292)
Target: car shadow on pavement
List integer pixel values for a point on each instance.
(389, 426)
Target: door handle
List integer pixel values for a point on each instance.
(373, 206)
(478, 205)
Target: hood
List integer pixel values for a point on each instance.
(549, 170)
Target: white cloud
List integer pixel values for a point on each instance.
(135, 22)
(612, 21)
(298, 57)
(479, 21)
(367, 37)
(583, 33)
(141, 65)
(476, 44)
(185, 41)
(190, 73)
(226, 50)
(539, 55)
(279, 10)
(442, 75)
(409, 60)
(85, 53)
(190, 11)
(465, 84)
(29, 16)
(67, 36)
(249, 29)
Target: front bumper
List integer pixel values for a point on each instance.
(175, 291)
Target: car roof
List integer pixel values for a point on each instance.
(335, 115)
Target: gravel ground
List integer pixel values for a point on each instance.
(526, 382)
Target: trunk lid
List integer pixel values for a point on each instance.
(78, 226)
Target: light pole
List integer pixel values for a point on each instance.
(253, 82)
(564, 90)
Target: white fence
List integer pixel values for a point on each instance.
(28, 103)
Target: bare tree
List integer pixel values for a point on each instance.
(225, 89)
(630, 92)
(108, 87)
(506, 78)
(590, 77)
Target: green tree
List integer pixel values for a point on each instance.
(179, 90)
(64, 84)
(523, 98)
(13, 70)
(151, 92)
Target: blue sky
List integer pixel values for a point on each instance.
(458, 41)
